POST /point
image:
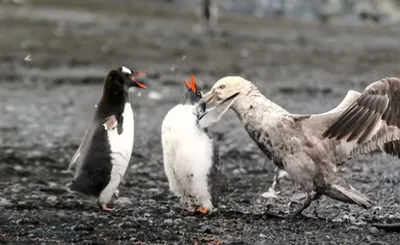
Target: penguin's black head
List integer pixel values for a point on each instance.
(192, 94)
(121, 79)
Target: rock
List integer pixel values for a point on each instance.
(208, 229)
(52, 198)
(373, 230)
(17, 188)
(61, 214)
(154, 190)
(168, 221)
(4, 202)
(123, 201)
(178, 221)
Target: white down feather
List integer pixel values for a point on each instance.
(187, 155)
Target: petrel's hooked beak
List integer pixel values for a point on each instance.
(210, 97)
(214, 114)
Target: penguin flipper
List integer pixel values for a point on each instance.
(110, 122)
(214, 114)
(86, 138)
(75, 157)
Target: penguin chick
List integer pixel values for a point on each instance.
(191, 158)
(104, 154)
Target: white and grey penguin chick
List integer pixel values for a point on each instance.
(191, 158)
(102, 158)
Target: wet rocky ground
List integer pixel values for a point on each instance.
(53, 58)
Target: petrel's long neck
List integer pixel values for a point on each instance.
(251, 103)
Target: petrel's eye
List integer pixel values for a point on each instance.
(222, 86)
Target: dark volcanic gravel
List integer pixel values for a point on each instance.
(48, 98)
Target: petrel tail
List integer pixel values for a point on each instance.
(349, 194)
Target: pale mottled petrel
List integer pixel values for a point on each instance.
(309, 146)
(103, 156)
(191, 159)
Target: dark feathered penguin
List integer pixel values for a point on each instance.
(103, 156)
(191, 159)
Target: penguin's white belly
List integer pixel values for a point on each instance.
(122, 144)
(187, 155)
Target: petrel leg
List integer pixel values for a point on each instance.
(272, 193)
(305, 205)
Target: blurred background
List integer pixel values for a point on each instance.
(317, 46)
(302, 54)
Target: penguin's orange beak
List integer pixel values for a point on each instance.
(135, 79)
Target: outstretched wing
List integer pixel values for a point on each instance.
(378, 105)
(361, 123)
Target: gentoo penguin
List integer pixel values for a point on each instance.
(103, 156)
(191, 158)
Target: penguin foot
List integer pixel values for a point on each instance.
(104, 207)
(202, 210)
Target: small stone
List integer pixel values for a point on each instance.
(153, 190)
(31, 235)
(337, 220)
(236, 171)
(52, 198)
(123, 201)
(208, 229)
(17, 188)
(4, 202)
(178, 221)
(168, 221)
(262, 235)
(52, 184)
(61, 214)
(17, 167)
(373, 230)
(353, 228)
